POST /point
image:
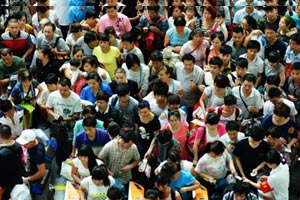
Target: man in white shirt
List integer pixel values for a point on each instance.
(232, 136)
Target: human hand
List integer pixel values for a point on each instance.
(153, 29)
(282, 141)
(125, 169)
(245, 180)
(183, 190)
(292, 98)
(212, 181)
(54, 51)
(26, 180)
(254, 172)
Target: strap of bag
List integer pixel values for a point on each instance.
(246, 106)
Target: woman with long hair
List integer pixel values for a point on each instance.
(84, 163)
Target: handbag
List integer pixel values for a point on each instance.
(144, 167)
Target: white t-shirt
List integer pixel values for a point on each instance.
(96, 192)
(256, 66)
(52, 17)
(269, 107)
(81, 170)
(226, 140)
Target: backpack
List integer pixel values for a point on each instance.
(237, 112)
(191, 139)
(152, 41)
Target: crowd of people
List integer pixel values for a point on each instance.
(206, 93)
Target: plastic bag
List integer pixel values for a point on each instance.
(66, 169)
(145, 167)
(20, 192)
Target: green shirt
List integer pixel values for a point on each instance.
(5, 71)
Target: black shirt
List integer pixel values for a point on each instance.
(36, 156)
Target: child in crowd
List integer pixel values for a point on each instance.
(72, 71)
(241, 68)
(225, 55)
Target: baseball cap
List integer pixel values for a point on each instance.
(26, 137)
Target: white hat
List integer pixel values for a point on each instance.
(27, 136)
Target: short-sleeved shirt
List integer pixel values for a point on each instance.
(273, 71)
(185, 179)
(81, 170)
(178, 40)
(121, 24)
(269, 107)
(20, 96)
(5, 71)
(77, 14)
(16, 125)
(88, 95)
(289, 54)
(199, 54)
(141, 76)
(97, 144)
(60, 45)
(213, 100)
(94, 191)
(36, 156)
(256, 66)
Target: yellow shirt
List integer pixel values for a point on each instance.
(109, 59)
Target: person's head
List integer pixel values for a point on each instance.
(273, 159)
(162, 182)
(89, 111)
(91, 17)
(153, 11)
(91, 39)
(164, 136)
(197, 36)
(169, 170)
(271, 13)
(209, 13)
(274, 94)
(113, 129)
(215, 65)
(216, 148)
(238, 35)
(102, 98)
(89, 125)
(221, 82)
(272, 135)
(144, 109)
(177, 11)
(100, 176)
(127, 139)
(44, 52)
(225, 53)
(111, 12)
(240, 190)
(5, 132)
(286, 23)
(281, 112)
(294, 42)
(229, 103)
(188, 63)
(77, 52)
(120, 75)
(190, 11)
(160, 91)
(128, 41)
(220, 17)
(76, 29)
(7, 57)
(164, 73)
(123, 92)
(217, 40)
(296, 71)
(232, 128)
(22, 18)
(241, 67)
(87, 156)
(257, 134)
(253, 48)
(212, 119)
(7, 107)
(64, 87)
(174, 101)
(271, 2)
(174, 118)
(114, 193)
(271, 32)
(94, 81)
(51, 81)
(133, 62)
(13, 27)
(104, 42)
(49, 30)
(152, 194)
(179, 23)
(27, 138)
(110, 31)
(90, 64)
(273, 58)
(249, 23)
(248, 82)
(74, 64)
(273, 81)
(25, 77)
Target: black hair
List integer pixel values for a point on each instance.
(51, 79)
(164, 136)
(65, 82)
(128, 136)
(90, 36)
(75, 27)
(274, 92)
(51, 25)
(86, 150)
(296, 38)
(195, 32)
(102, 95)
(6, 105)
(24, 74)
(221, 81)
(113, 129)
(271, 26)
(253, 44)
(89, 122)
(188, 57)
(242, 62)
(232, 126)
(156, 55)
(144, 104)
(220, 13)
(216, 61)
(168, 170)
(93, 75)
(91, 13)
(218, 34)
(179, 21)
(230, 100)
(274, 132)
(296, 66)
(282, 110)
(175, 113)
(75, 62)
(46, 50)
(160, 88)
(76, 48)
(152, 194)
(131, 60)
(274, 57)
(103, 37)
(162, 180)
(257, 133)
(249, 77)
(174, 156)
(174, 99)
(128, 37)
(217, 147)
(241, 188)
(212, 118)
(114, 193)
(251, 22)
(238, 29)
(92, 60)
(153, 8)
(5, 132)
(100, 173)
(273, 80)
(273, 157)
(6, 51)
(122, 89)
(225, 49)
(110, 30)
(89, 109)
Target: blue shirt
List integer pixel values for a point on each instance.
(289, 54)
(185, 179)
(97, 144)
(77, 14)
(87, 94)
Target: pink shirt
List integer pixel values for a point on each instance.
(121, 24)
